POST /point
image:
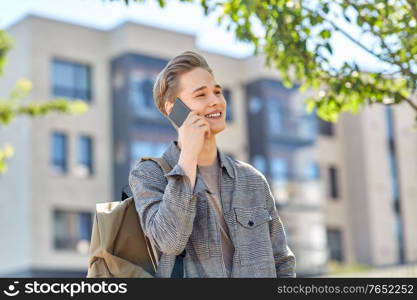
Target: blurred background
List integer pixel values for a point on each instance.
(346, 190)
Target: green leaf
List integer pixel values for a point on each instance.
(326, 8)
(303, 87)
(311, 104)
(325, 34)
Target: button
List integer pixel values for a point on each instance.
(250, 223)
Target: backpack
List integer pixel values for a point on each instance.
(119, 247)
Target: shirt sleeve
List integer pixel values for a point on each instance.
(285, 261)
(166, 205)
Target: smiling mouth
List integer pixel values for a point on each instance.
(217, 115)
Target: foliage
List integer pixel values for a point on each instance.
(296, 40)
(12, 106)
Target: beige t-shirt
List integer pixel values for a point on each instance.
(211, 176)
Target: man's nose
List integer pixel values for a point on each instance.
(214, 100)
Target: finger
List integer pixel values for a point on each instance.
(206, 127)
(191, 118)
(202, 124)
(207, 130)
(201, 121)
(196, 119)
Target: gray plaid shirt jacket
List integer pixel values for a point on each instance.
(176, 218)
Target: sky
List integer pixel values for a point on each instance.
(182, 17)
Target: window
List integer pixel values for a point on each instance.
(326, 128)
(146, 88)
(139, 149)
(306, 126)
(334, 186)
(227, 97)
(312, 171)
(399, 235)
(395, 186)
(334, 244)
(259, 162)
(389, 121)
(279, 170)
(59, 152)
(275, 116)
(141, 98)
(71, 80)
(72, 230)
(85, 156)
(255, 105)
(280, 175)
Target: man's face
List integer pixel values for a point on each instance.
(201, 93)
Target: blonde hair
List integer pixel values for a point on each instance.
(167, 82)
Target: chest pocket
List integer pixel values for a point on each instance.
(252, 230)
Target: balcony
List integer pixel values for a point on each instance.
(291, 127)
(298, 195)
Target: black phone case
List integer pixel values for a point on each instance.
(179, 112)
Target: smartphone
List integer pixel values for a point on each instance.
(179, 112)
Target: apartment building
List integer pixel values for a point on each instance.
(345, 192)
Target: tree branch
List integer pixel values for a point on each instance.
(413, 7)
(411, 103)
(405, 71)
(356, 42)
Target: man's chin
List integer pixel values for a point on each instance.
(218, 129)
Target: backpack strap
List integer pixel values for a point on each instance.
(160, 161)
(178, 269)
(166, 168)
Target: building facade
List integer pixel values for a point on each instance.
(346, 192)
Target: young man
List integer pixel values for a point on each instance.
(219, 210)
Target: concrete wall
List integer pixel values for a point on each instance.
(406, 142)
(356, 189)
(371, 210)
(331, 150)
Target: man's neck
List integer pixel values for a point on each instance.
(208, 154)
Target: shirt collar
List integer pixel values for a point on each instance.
(172, 154)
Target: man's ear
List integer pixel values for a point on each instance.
(168, 106)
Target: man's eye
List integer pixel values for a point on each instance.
(200, 95)
(218, 92)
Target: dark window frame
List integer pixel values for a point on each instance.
(141, 102)
(58, 162)
(69, 243)
(334, 182)
(326, 128)
(335, 235)
(227, 94)
(147, 90)
(72, 93)
(80, 160)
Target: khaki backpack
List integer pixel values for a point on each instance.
(118, 247)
